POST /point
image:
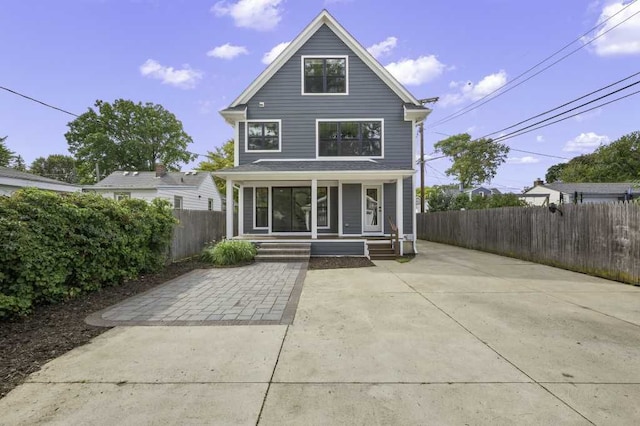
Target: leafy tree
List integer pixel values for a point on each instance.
(56, 166)
(438, 201)
(475, 161)
(5, 153)
(554, 172)
(618, 161)
(222, 158)
(126, 135)
(17, 162)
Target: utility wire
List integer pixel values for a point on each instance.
(565, 112)
(567, 103)
(65, 111)
(511, 135)
(471, 106)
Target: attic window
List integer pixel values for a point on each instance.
(324, 75)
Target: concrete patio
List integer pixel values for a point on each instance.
(453, 337)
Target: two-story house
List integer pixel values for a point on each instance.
(324, 147)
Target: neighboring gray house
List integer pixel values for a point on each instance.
(11, 180)
(190, 190)
(481, 191)
(324, 146)
(564, 193)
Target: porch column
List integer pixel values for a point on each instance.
(229, 209)
(241, 210)
(314, 208)
(399, 212)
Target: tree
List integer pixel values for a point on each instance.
(17, 162)
(5, 153)
(618, 161)
(222, 158)
(474, 162)
(127, 136)
(554, 172)
(56, 166)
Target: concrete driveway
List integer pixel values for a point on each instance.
(453, 337)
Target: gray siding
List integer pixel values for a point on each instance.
(337, 248)
(389, 198)
(369, 97)
(408, 210)
(352, 208)
(248, 213)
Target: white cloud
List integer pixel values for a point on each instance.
(185, 78)
(470, 91)
(527, 159)
(227, 51)
(259, 15)
(585, 142)
(623, 40)
(383, 48)
(416, 71)
(271, 55)
(539, 138)
(588, 116)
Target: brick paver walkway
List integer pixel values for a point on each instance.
(261, 293)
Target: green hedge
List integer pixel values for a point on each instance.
(54, 247)
(230, 252)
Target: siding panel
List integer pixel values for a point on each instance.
(352, 208)
(339, 248)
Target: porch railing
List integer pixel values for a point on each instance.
(395, 238)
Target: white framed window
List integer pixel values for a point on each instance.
(263, 136)
(323, 207)
(118, 196)
(325, 75)
(349, 138)
(261, 208)
(177, 202)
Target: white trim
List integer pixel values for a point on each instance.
(255, 205)
(380, 188)
(258, 151)
(340, 219)
(232, 117)
(321, 185)
(229, 207)
(328, 183)
(324, 18)
(400, 212)
(345, 175)
(355, 157)
(241, 209)
(416, 115)
(236, 145)
(345, 57)
(314, 208)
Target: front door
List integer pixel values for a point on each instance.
(372, 210)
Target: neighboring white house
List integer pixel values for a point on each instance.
(11, 180)
(564, 193)
(191, 190)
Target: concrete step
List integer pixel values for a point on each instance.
(281, 258)
(283, 251)
(284, 245)
(385, 257)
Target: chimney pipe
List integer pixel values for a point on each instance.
(161, 170)
(538, 182)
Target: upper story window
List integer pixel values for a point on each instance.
(350, 138)
(324, 75)
(263, 136)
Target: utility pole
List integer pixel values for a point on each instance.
(423, 101)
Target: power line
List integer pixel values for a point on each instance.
(511, 135)
(568, 103)
(569, 110)
(471, 106)
(67, 112)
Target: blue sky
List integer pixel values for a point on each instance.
(194, 57)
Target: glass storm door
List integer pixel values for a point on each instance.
(291, 209)
(372, 209)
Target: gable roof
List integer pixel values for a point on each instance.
(324, 18)
(16, 174)
(147, 180)
(595, 188)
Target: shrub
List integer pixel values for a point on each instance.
(229, 252)
(54, 247)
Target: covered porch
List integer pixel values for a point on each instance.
(327, 208)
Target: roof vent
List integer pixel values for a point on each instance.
(125, 173)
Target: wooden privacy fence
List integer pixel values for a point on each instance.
(195, 229)
(597, 239)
